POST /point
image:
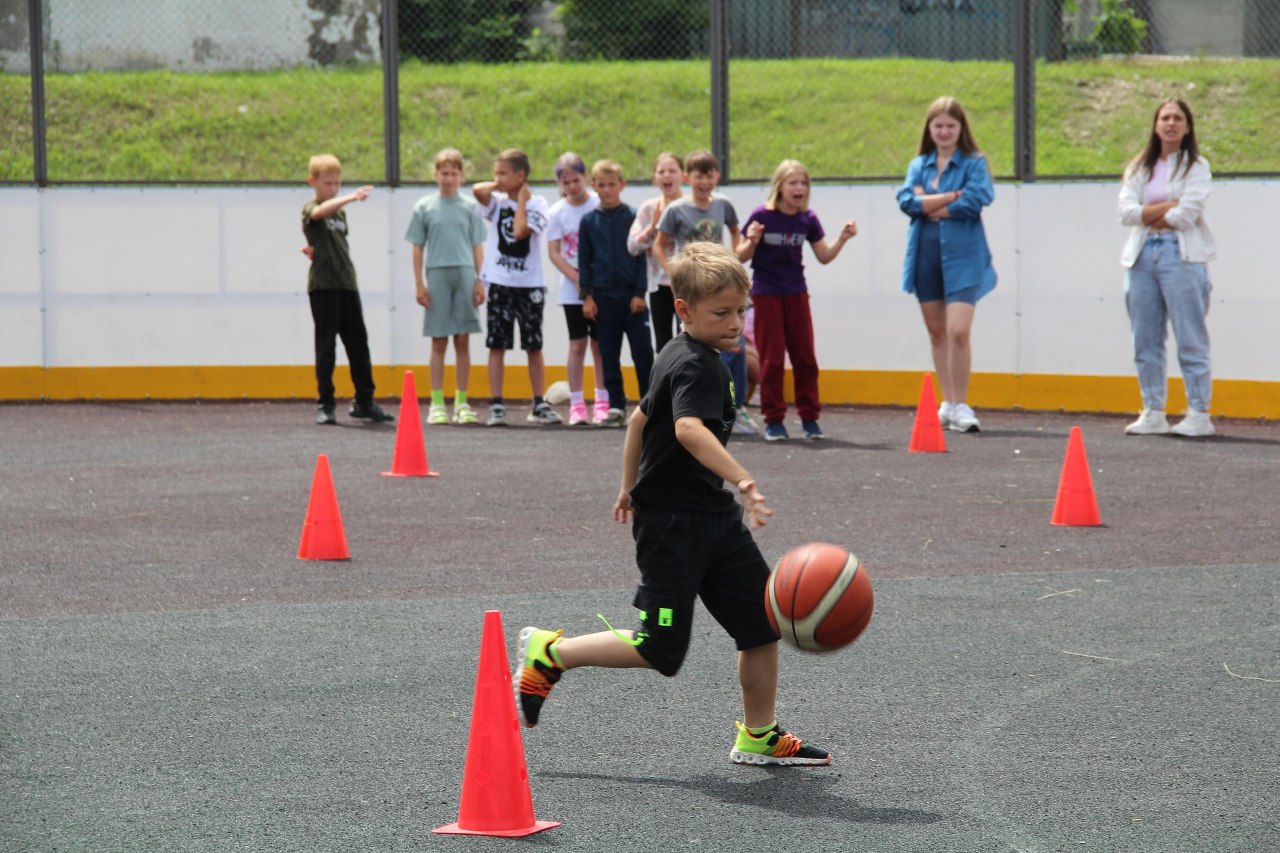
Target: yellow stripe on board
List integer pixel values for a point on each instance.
(1036, 392)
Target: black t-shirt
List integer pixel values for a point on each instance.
(689, 380)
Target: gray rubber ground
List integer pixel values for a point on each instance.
(172, 678)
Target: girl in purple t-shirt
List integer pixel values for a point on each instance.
(773, 240)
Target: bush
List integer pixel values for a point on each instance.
(1118, 29)
(635, 29)
(451, 31)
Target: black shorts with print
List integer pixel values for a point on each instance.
(509, 306)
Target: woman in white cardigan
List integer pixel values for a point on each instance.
(1162, 199)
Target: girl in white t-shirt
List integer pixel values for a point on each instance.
(577, 200)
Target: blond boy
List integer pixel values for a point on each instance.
(690, 538)
(334, 296)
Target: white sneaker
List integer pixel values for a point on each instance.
(1194, 425)
(944, 413)
(1150, 422)
(497, 415)
(963, 419)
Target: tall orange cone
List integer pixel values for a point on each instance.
(926, 433)
(1076, 505)
(495, 783)
(410, 459)
(322, 535)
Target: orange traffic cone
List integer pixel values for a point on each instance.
(926, 433)
(495, 783)
(410, 459)
(322, 534)
(1076, 505)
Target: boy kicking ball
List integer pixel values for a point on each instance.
(690, 537)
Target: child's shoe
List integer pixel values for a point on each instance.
(775, 746)
(324, 415)
(536, 673)
(963, 419)
(543, 414)
(614, 419)
(944, 414)
(578, 414)
(600, 411)
(464, 414)
(812, 431)
(497, 415)
(744, 424)
(775, 432)
(369, 411)
(437, 415)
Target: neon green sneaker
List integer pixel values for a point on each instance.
(536, 673)
(775, 746)
(437, 415)
(464, 414)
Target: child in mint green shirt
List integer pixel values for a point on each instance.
(449, 230)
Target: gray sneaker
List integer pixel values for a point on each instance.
(616, 418)
(543, 414)
(497, 415)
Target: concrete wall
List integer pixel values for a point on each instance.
(182, 292)
(84, 35)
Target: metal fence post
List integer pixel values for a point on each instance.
(720, 83)
(390, 88)
(40, 160)
(1024, 89)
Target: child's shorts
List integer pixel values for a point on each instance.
(452, 311)
(579, 326)
(509, 306)
(685, 555)
(929, 282)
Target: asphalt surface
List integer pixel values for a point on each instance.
(172, 678)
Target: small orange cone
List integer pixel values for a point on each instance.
(495, 783)
(322, 535)
(926, 434)
(410, 459)
(1076, 505)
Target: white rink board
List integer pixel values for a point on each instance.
(109, 276)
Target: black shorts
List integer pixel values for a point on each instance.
(683, 556)
(579, 326)
(509, 306)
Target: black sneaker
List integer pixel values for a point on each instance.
(369, 411)
(324, 415)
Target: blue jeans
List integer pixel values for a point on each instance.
(614, 321)
(1161, 288)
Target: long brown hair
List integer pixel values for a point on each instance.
(950, 106)
(1149, 156)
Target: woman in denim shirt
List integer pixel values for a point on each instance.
(948, 264)
(1162, 198)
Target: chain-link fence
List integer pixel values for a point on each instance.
(245, 90)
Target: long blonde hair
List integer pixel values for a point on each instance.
(786, 169)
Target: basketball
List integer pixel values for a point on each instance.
(557, 393)
(819, 597)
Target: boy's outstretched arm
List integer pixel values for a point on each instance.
(631, 446)
(693, 434)
(333, 205)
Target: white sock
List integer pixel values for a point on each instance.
(576, 397)
(602, 396)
